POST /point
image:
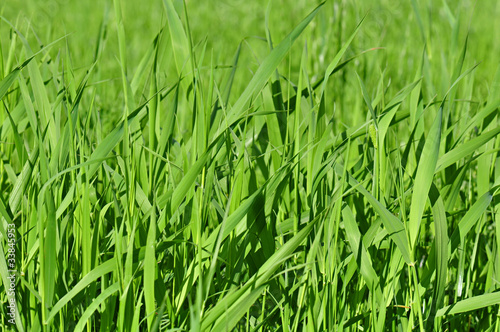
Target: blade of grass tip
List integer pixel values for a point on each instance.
(387, 116)
(470, 304)
(121, 34)
(291, 102)
(20, 148)
(368, 101)
(45, 110)
(276, 91)
(230, 80)
(149, 58)
(101, 35)
(136, 319)
(424, 176)
(28, 104)
(470, 218)
(22, 181)
(6, 215)
(223, 100)
(8, 80)
(265, 70)
(332, 67)
(167, 130)
(180, 43)
(199, 137)
(42, 101)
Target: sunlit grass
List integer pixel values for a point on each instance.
(259, 167)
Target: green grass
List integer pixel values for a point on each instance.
(263, 166)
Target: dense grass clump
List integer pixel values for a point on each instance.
(249, 165)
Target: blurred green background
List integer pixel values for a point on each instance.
(401, 28)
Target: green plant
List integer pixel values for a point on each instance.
(178, 173)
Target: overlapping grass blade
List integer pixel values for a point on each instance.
(80, 326)
(465, 149)
(237, 303)
(395, 227)
(92, 276)
(470, 304)
(265, 71)
(424, 176)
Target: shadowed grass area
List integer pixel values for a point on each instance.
(249, 166)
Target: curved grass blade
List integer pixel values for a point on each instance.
(395, 227)
(465, 149)
(190, 177)
(232, 307)
(92, 276)
(360, 253)
(473, 303)
(470, 218)
(180, 41)
(95, 304)
(368, 100)
(425, 174)
(265, 71)
(115, 137)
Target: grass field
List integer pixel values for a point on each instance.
(249, 165)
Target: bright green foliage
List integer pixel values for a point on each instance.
(172, 165)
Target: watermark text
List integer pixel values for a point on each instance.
(11, 265)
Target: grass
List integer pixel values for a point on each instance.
(264, 166)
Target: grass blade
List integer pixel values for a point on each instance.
(423, 179)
